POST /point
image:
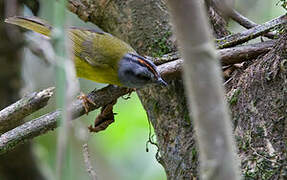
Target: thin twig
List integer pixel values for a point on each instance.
(244, 36)
(264, 157)
(89, 167)
(24, 107)
(166, 58)
(247, 23)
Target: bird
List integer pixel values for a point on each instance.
(100, 56)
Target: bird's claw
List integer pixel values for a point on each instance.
(86, 101)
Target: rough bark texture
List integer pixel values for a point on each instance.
(19, 163)
(167, 111)
(258, 102)
(218, 23)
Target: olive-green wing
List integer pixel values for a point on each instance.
(95, 47)
(32, 23)
(98, 48)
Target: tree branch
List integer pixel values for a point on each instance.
(244, 53)
(244, 36)
(247, 23)
(89, 167)
(49, 121)
(24, 107)
(170, 66)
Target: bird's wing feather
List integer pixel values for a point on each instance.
(98, 48)
(84, 47)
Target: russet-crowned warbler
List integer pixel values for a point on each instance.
(101, 57)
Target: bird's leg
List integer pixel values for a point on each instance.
(130, 90)
(86, 101)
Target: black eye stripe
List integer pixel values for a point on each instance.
(139, 76)
(143, 77)
(129, 72)
(143, 62)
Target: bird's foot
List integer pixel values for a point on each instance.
(86, 101)
(130, 90)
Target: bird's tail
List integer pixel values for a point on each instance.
(31, 23)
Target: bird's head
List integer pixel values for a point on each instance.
(136, 71)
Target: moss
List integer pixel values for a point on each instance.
(260, 131)
(161, 46)
(156, 107)
(263, 169)
(187, 119)
(283, 65)
(194, 154)
(282, 3)
(234, 98)
(245, 144)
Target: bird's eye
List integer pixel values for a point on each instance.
(129, 72)
(143, 77)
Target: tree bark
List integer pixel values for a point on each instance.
(20, 163)
(258, 100)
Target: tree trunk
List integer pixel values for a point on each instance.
(20, 163)
(258, 100)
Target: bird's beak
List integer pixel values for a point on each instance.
(161, 82)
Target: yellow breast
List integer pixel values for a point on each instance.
(99, 74)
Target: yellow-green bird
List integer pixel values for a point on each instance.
(101, 57)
